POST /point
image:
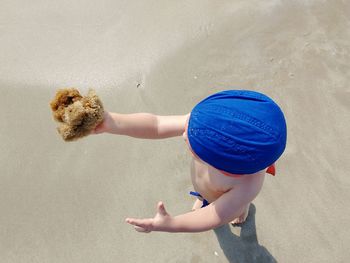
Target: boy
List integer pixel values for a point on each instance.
(233, 136)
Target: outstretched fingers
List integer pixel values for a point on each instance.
(146, 225)
(140, 225)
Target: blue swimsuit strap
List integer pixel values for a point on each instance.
(205, 202)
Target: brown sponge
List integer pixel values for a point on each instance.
(77, 115)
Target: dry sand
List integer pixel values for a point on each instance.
(66, 202)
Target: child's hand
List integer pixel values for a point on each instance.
(160, 222)
(104, 126)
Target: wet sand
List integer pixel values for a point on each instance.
(66, 202)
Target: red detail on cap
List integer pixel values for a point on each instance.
(271, 170)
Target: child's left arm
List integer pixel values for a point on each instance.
(222, 211)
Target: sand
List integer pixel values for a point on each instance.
(66, 202)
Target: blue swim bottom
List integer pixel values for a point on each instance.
(205, 202)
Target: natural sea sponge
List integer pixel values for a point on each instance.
(77, 115)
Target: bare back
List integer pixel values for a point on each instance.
(211, 183)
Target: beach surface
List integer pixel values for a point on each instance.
(67, 202)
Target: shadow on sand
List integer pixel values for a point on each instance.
(243, 248)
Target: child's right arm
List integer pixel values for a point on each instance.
(142, 125)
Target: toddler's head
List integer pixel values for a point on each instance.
(237, 131)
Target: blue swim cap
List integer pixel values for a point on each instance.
(237, 131)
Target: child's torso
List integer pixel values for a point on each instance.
(211, 183)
